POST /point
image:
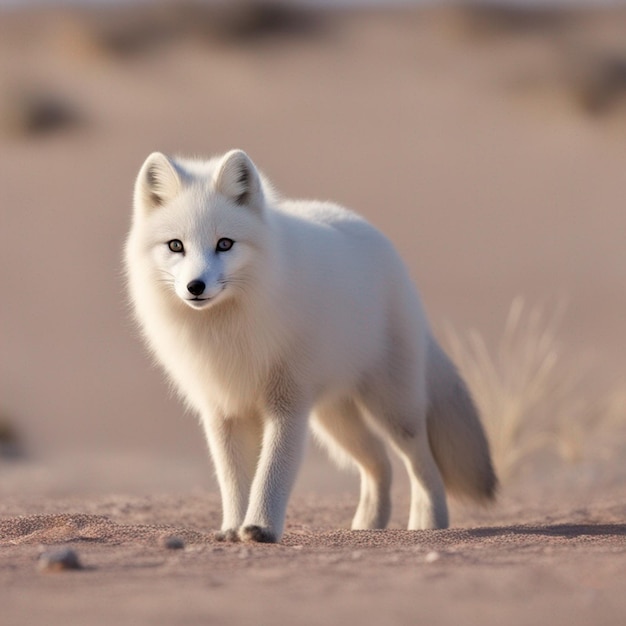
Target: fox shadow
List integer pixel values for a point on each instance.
(564, 530)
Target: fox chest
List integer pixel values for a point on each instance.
(219, 375)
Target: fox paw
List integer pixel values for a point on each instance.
(229, 535)
(257, 534)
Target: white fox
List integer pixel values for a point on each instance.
(267, 312)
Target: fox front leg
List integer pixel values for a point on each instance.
(235, 445)
(284, 437)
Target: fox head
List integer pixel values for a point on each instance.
(201, 223)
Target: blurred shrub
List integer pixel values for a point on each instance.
(242, 22)
(9, 441)
(132, 30)
(598, 81)
(494, 19)
(35, 111)
(582, 50)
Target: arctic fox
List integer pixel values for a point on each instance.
(267, 313)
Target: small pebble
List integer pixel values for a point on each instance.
(58, 561)
(172, 542)
(431, 557)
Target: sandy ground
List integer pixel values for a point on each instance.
(492, 151)
(567, 567)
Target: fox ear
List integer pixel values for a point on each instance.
(157, 183)
(237, 178)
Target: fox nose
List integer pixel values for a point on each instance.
(195, 287)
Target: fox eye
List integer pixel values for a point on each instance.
(224, 244)
(176, 245)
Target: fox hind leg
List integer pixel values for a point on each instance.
(404, 424)
(429, 508)
(341, 428)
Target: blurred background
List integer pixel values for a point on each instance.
(487, 140)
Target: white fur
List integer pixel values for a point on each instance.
(310, 313)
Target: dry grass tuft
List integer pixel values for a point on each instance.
(529, 397)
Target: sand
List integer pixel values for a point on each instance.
(491, 149)
(565, 568)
